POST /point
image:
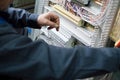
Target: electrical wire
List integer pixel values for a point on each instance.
(100, 18)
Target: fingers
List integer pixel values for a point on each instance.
(53, 21)
(49, 19)
(117, 44)
(52, 25)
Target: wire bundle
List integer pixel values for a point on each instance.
(96, 20)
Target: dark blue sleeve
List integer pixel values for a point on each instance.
(21, 57)
(20, 18)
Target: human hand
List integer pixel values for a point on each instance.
(49, 19)
(117, 44)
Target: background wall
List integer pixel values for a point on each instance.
(25, 4)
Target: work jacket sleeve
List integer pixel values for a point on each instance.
(20, 18)
(22, 58)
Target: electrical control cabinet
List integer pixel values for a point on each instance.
(87, 24)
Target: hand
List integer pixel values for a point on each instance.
(117, 44)
(49, 19)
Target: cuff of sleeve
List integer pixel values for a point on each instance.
(32, 21)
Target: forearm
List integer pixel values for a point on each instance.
(83, 62)
(20, 18)
(20, 57)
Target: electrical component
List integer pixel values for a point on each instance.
(84, 2)
(73, 42)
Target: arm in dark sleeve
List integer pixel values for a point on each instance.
(20, 17)
(20, 57)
